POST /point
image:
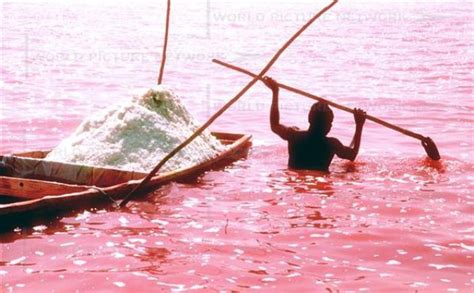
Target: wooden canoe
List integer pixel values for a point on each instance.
(40, 187)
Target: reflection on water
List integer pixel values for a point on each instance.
(287, 227)
(299, 181)
(277, 228)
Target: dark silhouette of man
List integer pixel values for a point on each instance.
(311, 149)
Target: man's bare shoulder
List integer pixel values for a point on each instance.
(334, 142)
(295, 133)
(294, 129)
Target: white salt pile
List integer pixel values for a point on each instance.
(136, 135)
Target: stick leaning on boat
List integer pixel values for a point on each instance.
(226, 106)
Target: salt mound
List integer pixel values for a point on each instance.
(136, 135)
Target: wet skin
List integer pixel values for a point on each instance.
(312, 149)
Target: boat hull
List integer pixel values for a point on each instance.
(51, 187)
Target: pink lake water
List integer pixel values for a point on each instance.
(393, 221)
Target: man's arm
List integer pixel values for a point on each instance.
(350, 153)
(281, 130)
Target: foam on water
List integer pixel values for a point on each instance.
(136, 134)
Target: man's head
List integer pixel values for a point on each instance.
(320, 118)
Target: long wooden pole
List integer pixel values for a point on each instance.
(314, 97)
(226, 106)
(165, 46)
(427, 142)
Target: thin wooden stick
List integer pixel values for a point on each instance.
(165, 46)
(226, 106)
(340, 107)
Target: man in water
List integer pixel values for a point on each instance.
(311, 149)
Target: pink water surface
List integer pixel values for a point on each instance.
(393, 221)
